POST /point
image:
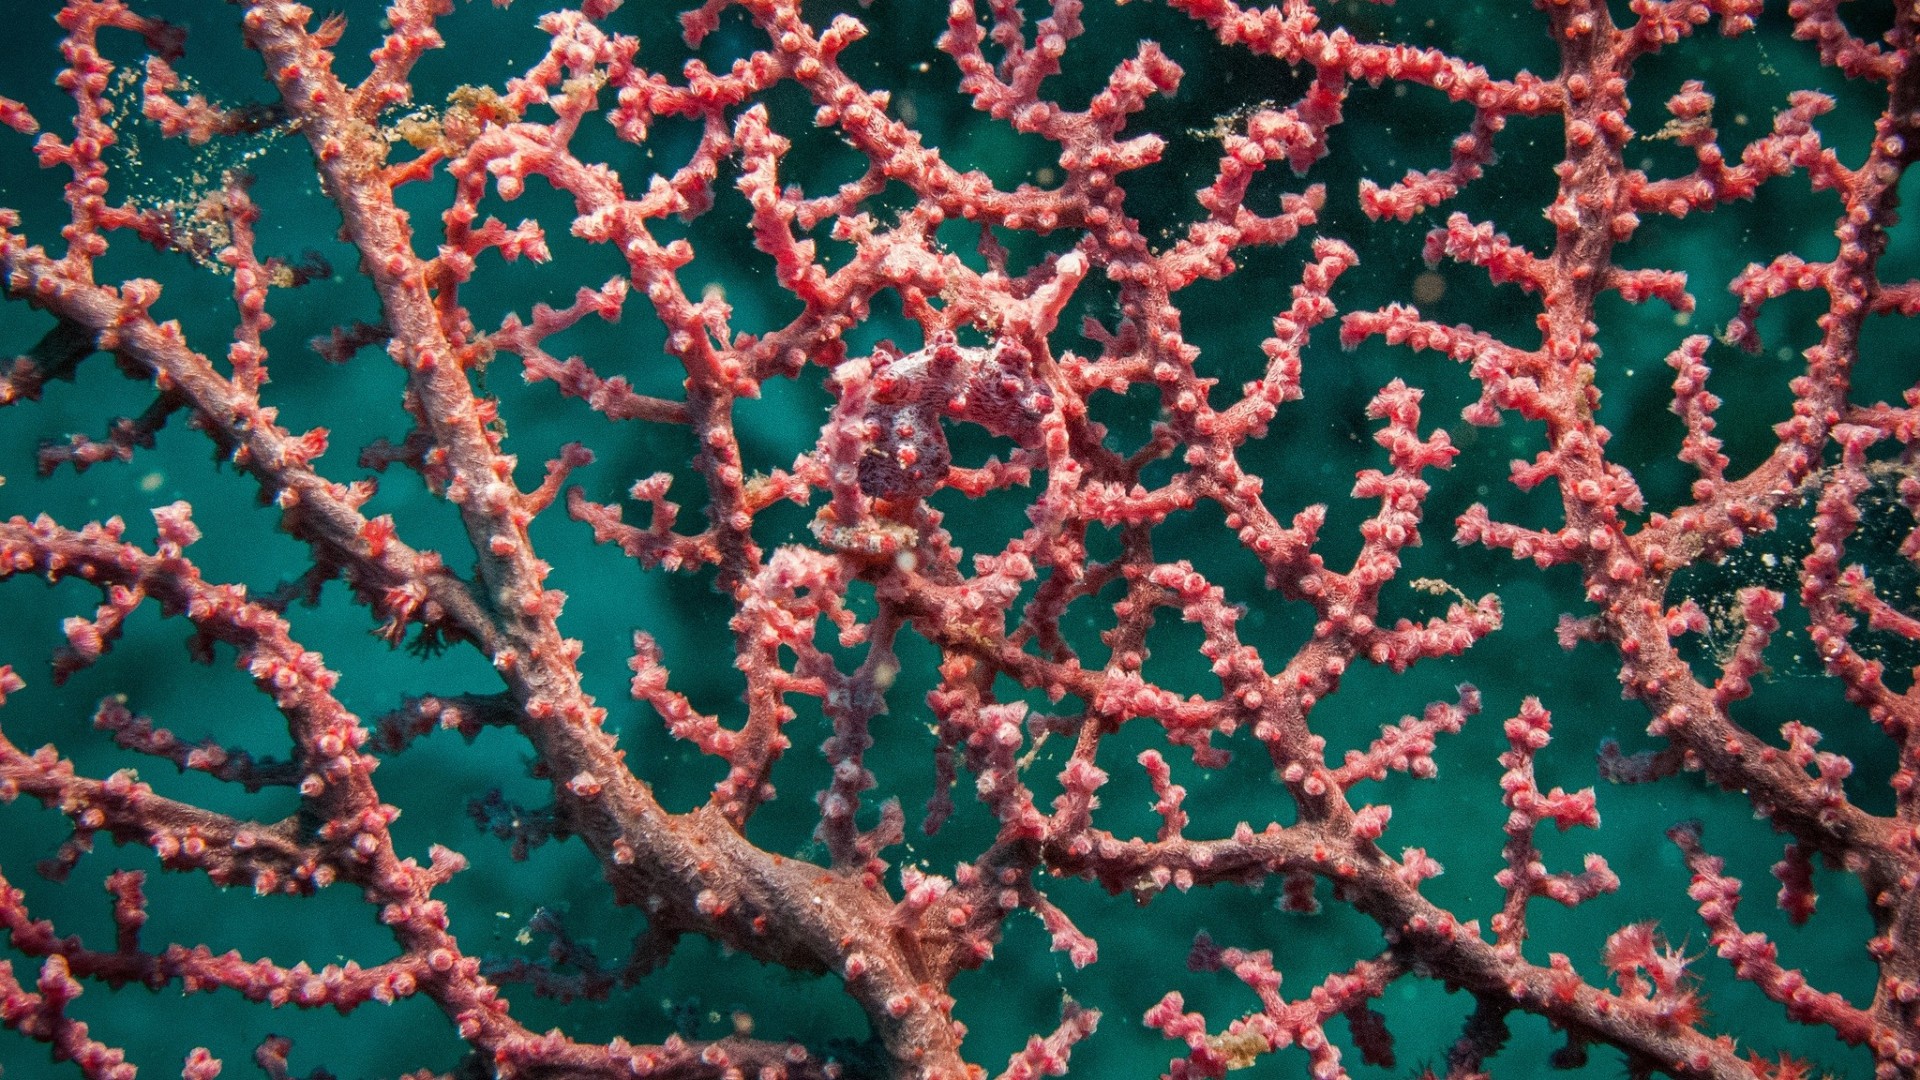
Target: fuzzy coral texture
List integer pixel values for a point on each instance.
(944, 531)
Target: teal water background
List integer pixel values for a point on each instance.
(1310, 456)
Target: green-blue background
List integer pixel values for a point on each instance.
(1310, 456)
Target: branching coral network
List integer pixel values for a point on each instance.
(1027, 672)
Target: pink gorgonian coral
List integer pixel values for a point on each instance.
(999, 531)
